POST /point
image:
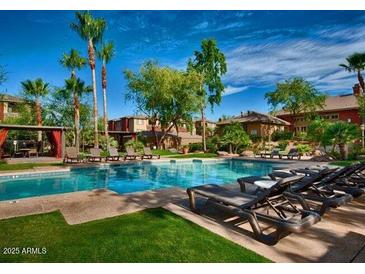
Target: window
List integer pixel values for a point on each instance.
(253, 132)
(139, 122)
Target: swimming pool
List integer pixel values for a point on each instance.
(127, 178)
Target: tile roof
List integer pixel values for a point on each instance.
(253, 116)
(10, 98)
(340, 102)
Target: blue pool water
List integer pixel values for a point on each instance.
(132, 177)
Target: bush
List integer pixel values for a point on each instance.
(213, 144)
(282, 145)
(303, 148)
(102, 142)
(279, 135)
(137, 145)
(196, 147)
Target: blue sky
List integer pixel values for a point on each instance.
(261, 48)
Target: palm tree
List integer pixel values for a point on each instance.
(91, 30)
(74, 61)
(76, 87)
(356, 63)
(341, 133)
(105, 54)
(35, 90)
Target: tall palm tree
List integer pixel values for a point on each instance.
(78, 88)
(356, 63)
(35, 90)
(105, 54)
(91, 30)
(73, 61)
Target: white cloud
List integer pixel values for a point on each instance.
(229, 90)
(316, 58)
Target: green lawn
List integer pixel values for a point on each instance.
(153, 235)
(345, 162)
(5, 167)
(194, 155)
(162, 152)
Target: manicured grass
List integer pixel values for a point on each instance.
(5, 167)
(195, 155)
(163, 152)
(345, 162)
(153, 235)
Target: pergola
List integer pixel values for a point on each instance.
(56, 136)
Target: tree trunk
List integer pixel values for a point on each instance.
(91, 53)
(343, 151)
(155, 134)
(38, 111)
(230, 148)
(103, 77)
(361, 81)
(203, 122)
(77, 122)
(164, 135)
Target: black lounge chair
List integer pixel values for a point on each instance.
(314, 187)
(147, 154)
(113, 155)
(287, 217)
(290, 154)
(343, 179)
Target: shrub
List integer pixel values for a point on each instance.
(213, 144)
(102, 142)
(282, 145)
(303, 148)
(279, 135)
(195, 147)
(137, 145)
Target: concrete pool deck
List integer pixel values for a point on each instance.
(339, 237)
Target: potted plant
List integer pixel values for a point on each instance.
(185, 149)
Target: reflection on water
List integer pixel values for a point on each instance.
(132, 177)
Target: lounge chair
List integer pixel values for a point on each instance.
(313, 187)
(271, 154)
(147, 154)
(131, 154)
(71, 155)
(113, 155)
(32, 151)
(95, 155)
(286, 218)
(340, 179)
(290, 154)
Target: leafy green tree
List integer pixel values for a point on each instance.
(210, 62)
(105, 54)
(91, 30)
(35, 91)
(356, 63)
(78, 89)
(316, 132)
(166, 96)
(296, 96)
(235, 137)
(59, 110)
(73, 61)
(341, 134)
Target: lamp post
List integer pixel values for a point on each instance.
(362, 135)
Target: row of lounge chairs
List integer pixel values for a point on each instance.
(287, 200)
(71, 155)
(289, 153)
